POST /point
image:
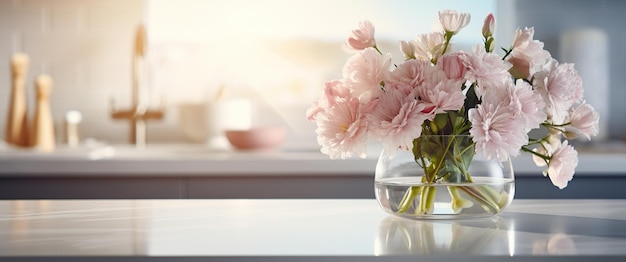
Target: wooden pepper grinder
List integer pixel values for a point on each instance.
(16, 132)
(44, 138)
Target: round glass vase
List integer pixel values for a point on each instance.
(442, 178)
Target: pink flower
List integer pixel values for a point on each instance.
(584, 119)
(547, 148)
(561, 159)
(364, 72)
(522, 39)
(452, 65)
(561, 87)
(401, 87)
(527, 55)
(537, 159)
(528, 104)
(440, 94)
(521, 67)
(562, 165)
(486, 69)
(411, 73)
(428, 47)
(396, 120)
(453, 21)
(495, 132)
(524, 103)
(408, 49)
(361, 38)
(342, 130)
(489, 25)
(333, 91)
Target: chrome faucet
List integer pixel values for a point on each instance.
(139, 113)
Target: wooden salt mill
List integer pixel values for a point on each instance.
(16, 132)
(43, 126)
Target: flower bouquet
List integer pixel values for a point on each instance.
(436, 96)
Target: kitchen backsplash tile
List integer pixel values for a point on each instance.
(85, 45)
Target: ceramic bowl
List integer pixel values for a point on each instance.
(256, 138)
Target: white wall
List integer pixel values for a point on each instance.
(85, 45)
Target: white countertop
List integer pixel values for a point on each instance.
(199, 160)
(303, 230)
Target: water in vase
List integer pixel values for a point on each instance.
(484, 197)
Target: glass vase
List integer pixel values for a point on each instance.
(442, 178)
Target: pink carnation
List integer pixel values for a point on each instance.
(525, 104)
(453, 21)
(486, 69)
(584, 119)
(440, 94)
(411, 73)
(428, 47)
(527, 55)
(364, 72)
(452, 65)
(528, 104)
(408, 49)
(562, 165)
(361, 38)
(396, 120)
(333, 91)
(341, 130)
(495, 131)
(561, 158)
(561, 87)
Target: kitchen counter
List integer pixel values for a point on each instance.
(199, 160)
(190, 160)
(196, 171)
(304, 230)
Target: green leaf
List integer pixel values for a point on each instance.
(441, 121)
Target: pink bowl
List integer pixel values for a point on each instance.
(256, 138)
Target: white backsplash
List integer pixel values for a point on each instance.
(84, 50)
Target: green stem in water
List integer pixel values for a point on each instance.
(408, 198)
(481, 197)
(495, 196)
(448, 152)
(427, 200)
(458, 202)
